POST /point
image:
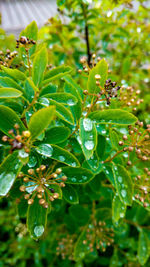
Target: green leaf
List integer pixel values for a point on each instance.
(48, 89)
(58, 153)
(14, 73)
(82, 246)
(39, 66)
(62, 112)
(70, 194)
(56, 73)
(114, 138)
(123, 183)
(8, 118)
(31, 32)
(9, 93)
(118, 209)
(40, 120)
(77, 175)
(36, 219)
(113, 116)
(8, 172)
(88, 136)
(56, 135)
(143, 247)
(102, 69)
(74, 89)
(10, 83)
(64, 98)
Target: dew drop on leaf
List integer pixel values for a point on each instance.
(87, 124)
(89, 145)
(123, 193)
(39, 230)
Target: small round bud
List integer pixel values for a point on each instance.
(26, 179)
(5, 138)
(51, 198)
(86, 70)
(64, 178)
(129, 163)
(22, 188)
(42, 167)
(121, 143)
(85, 92)
(93, 56)
(55, 195)
(26, 134)
(97, 83)
(30, 201)
(16, 126)
(39, 195)
(58, 171)
(79, 71)
(31, 171)
(23, 40)
(125, 137)
(27, 196)
(54, 175)
(145, 205)
(62, 185)
(97, 77)
(130, 148)
(45, 205)
(42, 201)
(18, 138)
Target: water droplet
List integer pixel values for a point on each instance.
(84, 177)
(44, 101)
(31, 188)
(107, 171)
(87, 124)
(70, 102)
(45, 150)
(39, 230)
(71, 197)
(120, 179)
(7, 182)
(103, 131)
(73, 164)
(89, 145)
(73, 179)
(79, 140)
(84, 113)
(23, 154)
(121, 215)
(61, 158)
(32, 162)
(115, 168)
(123, 193)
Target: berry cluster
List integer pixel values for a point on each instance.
(142, 188)
(85, 65)
(41, 183)
(7, 58)
(21, 229)
(110, 89)
(138, 141)
(97, 234)
(129, 97)
(65, 247)
(24, 41)
(18, 141)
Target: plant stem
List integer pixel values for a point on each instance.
(86, 30)
(116, 154)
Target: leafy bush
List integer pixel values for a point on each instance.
(74, 153)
